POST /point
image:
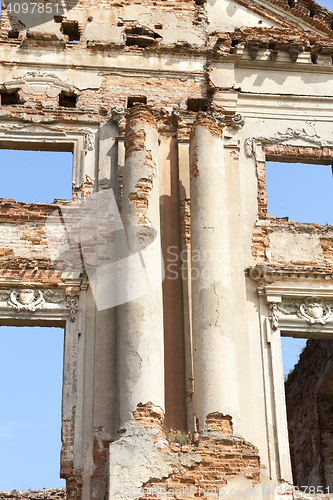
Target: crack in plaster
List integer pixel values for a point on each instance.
(218, 305)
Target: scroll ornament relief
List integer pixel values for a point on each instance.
(30, 299)
(313, 309)
(238, 121)
(274, 316)
(283, 137)
(89, 134)
(26, 300)
(118, 113)
(73, 306)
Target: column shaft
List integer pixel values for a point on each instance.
(215, 370)
(140, 321)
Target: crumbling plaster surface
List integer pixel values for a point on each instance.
(157, 466)
(136, 457)
(294, 82)
(284, 245)
(20, 240)
(175, 27)
(37, 84)
(226, 15)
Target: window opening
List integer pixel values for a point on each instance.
(197, 104)
(39, 176)
(31, 360)
(309, 404)
(67, 99)
(9, 98)
(291, 351)
(300, 191)
(136, 99)
(13, 34)
(71, 29)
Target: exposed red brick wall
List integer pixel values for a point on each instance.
(263, 228)
(149, 415)
(74, 486)
(99, 478)
(266, 224)
(67, 446)
(216, 458)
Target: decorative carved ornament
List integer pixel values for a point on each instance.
(89, 134)
(29, 299)
(26, 300)
(117, 113)
(219, 117)
(283, 137)
(312, 309)
(73, 306)
(238, 121)
(274, 315)
(35, 82)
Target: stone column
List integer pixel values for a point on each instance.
(140, 317)
(215, 369)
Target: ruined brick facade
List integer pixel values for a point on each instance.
(171, 110)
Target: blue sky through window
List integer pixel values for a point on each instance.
(31, 359)
(30, 401)
(35, 176)
(303, 193)
(300, 191)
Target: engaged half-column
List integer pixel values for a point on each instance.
(215, 370)
(140, 319)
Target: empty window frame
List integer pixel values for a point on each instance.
(35, 176)
(309, 391)
(300, 191)
(31, 361)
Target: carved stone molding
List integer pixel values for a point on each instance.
(89, 138)
(73, 306)
(31, 299)
(54, 296)
(26, 300)
(219, 117)
(89, 134)
(38, 82)
(314, 310)
(253, 48)
(237, 121)
(283, 137)
(274, 315)
(118, 113)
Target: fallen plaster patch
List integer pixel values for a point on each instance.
(241, 487)
(136, 457)
(284, 245)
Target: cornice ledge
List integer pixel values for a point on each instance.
(281, 137)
